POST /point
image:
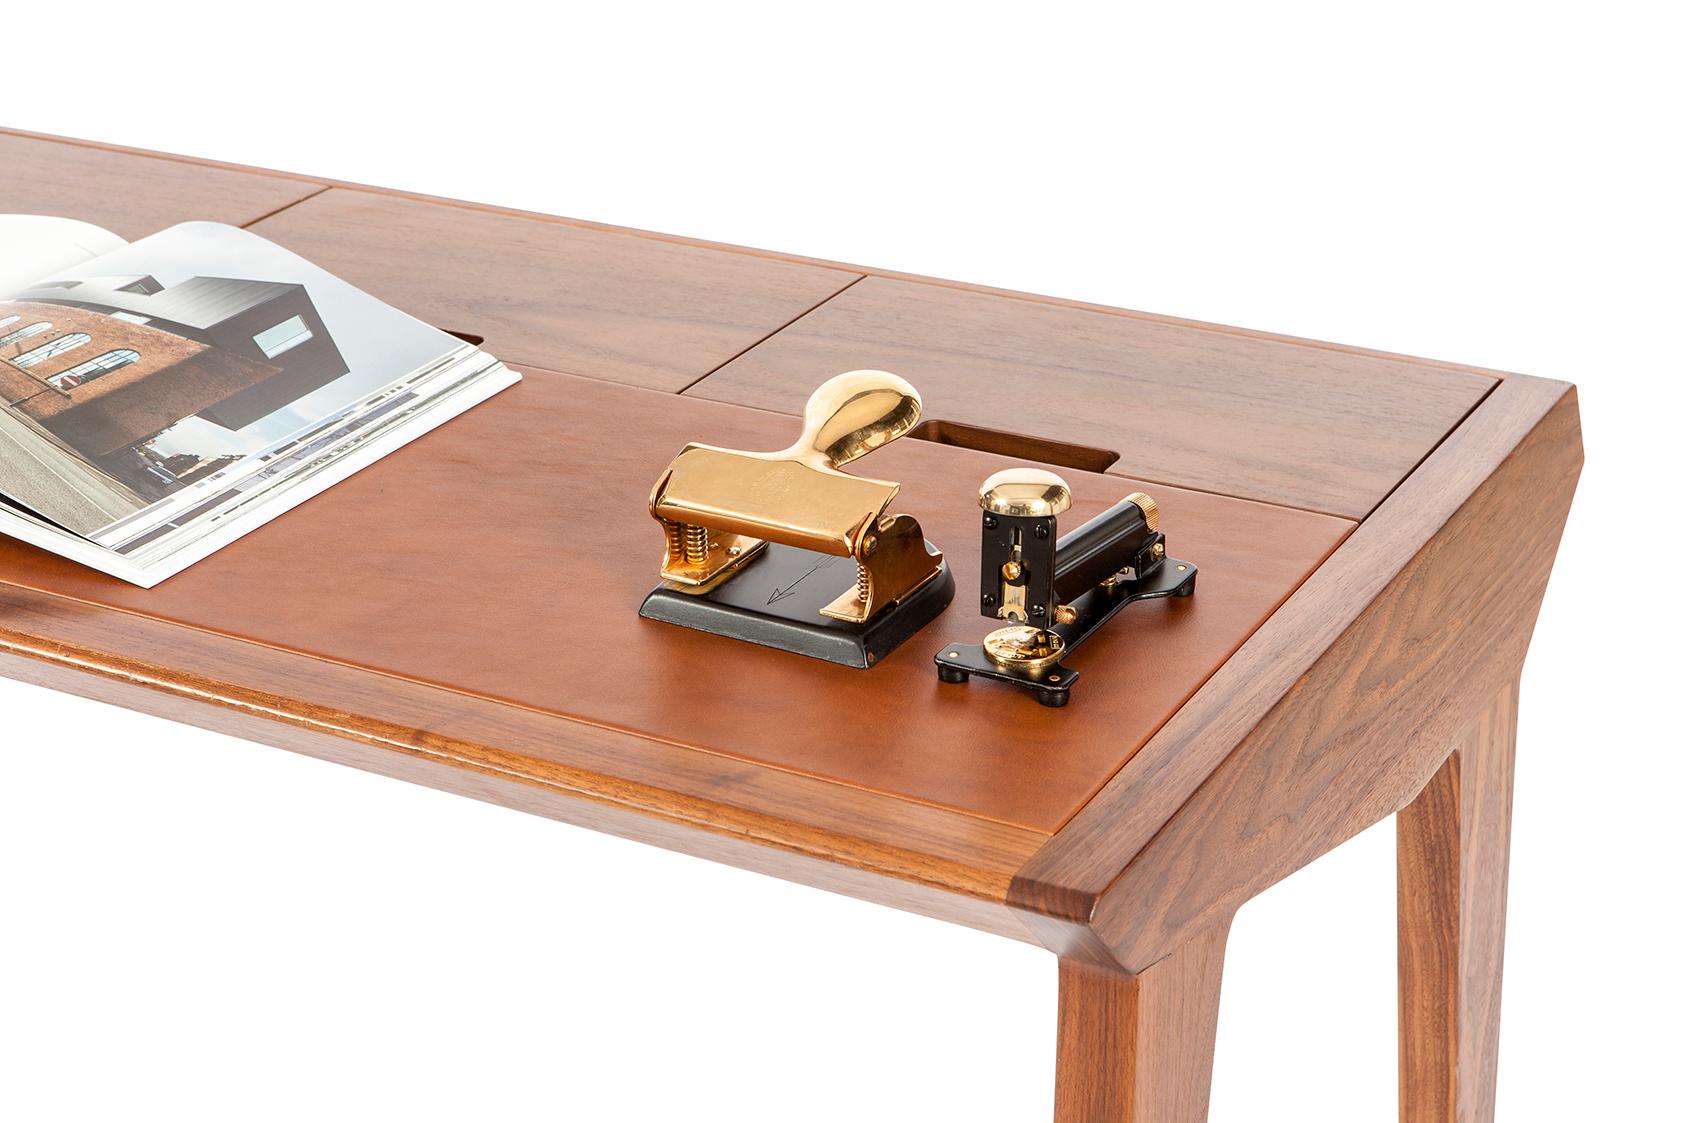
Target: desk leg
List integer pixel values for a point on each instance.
(1138, 1048)
(1453, 872)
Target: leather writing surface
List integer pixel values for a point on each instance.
(505, 556)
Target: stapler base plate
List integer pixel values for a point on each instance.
(775, 601)
(1051, 680)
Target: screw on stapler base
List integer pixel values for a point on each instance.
(1051, 682)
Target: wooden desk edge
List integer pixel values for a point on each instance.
(1510, 467)
(927, 883)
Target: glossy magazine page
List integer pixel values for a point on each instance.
(155, 394)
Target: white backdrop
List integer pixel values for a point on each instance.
(196, 928)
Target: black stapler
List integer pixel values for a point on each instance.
(1057, 591)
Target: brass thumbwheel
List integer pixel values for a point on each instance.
(1023, 647)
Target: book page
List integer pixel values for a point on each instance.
(137, 387)
(34, 246)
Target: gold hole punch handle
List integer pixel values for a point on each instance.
(854, 413)
(719, 506)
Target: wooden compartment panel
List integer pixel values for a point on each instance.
(1298, 424)
(607, 305)
(133, 195)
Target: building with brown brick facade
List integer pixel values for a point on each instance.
(101, 384)
(270, 322)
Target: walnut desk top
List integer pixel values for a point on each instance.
(1374, 533)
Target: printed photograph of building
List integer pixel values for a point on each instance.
(265, 321)
(102, 366)
(139, 386)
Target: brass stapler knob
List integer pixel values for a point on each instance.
(720, 507)
(1024, 492)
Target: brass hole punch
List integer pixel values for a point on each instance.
(1057, 591)
(785, 550)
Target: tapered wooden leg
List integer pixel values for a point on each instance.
(1453, 874)
(1138, 1048)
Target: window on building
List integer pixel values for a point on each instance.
(47, 350)
(130, 317)
(25, 332)
(84, 373)
(284, 336)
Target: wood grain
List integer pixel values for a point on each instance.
(1336, 713)
(1139, 1048)
(1260, 419)
(1453, 877)
(133, 195)
(94, 146)
(610, 306)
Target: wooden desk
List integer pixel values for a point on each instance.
(1374, 534)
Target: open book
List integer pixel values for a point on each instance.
(159, 400)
